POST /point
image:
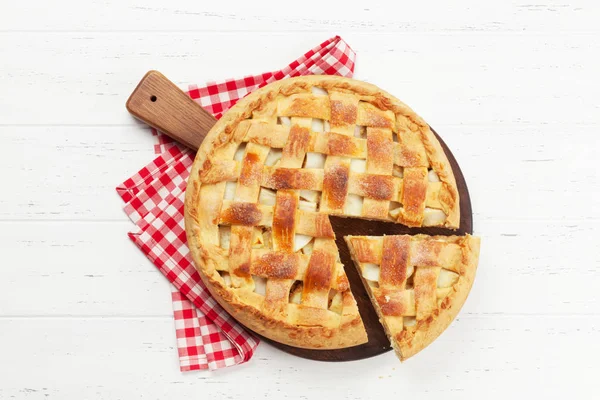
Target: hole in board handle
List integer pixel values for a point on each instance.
(153, 98)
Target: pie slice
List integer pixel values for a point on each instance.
(417, 284)
(269, 174)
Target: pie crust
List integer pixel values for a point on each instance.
(417, 284)
(268, 175)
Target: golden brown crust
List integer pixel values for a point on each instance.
(247, 214)
(380, 151)
(429, 330)
(349, 102)
(296, 146)
(350, 333)
(335, 186)
(284, 220)
(449, 196)
(376, 187)
(276, 265)
(394, 261)
(364, 249)
(291, 178)
(341, 145)
(414, 195)
(433, 312)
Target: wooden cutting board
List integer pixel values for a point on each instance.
(162, 105)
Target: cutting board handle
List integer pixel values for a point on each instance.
(161, 104)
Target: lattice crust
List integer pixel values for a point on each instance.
(271, 171)
(416, 283)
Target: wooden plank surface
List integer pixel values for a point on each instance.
(479, 78)
(511, 86)
(72, 358)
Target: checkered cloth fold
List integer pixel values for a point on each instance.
(207, 336)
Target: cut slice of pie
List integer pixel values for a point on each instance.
(271, 171)
(417, 283)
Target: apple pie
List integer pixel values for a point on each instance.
(417, 284)
(268, 176)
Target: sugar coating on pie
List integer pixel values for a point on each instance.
(269, 174)
(417, 283)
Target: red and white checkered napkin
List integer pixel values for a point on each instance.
(207, 336)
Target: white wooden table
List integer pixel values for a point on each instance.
(512, 88)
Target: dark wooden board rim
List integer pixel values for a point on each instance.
(162, 105)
